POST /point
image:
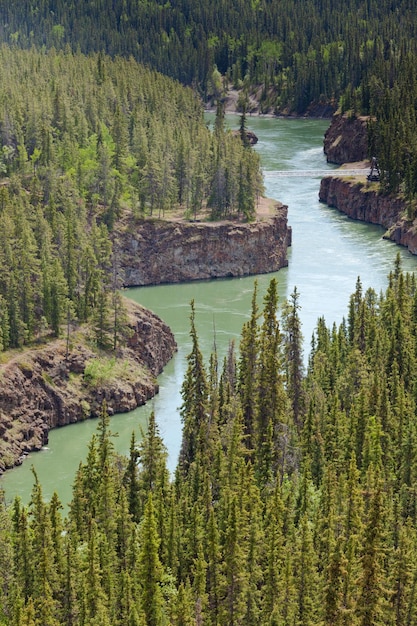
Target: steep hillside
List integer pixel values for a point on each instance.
(59, 384)
(294, 53)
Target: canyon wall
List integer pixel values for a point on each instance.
(360, 201)
(45, 387)
(346, 139)
(153, 252)
(345, 142)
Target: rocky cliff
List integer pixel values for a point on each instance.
(153, 252)
(46, 387)
(346, 139)
(361, 201)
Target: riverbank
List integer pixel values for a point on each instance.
(45, 387)
(328, 253)
(346, 139)
(254, 106)
(346, 142)
(48, 386)
(361, 200)
(154, 252)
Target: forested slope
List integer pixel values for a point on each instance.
(294, 499)
(86, 141)
(303, 51)
(290, 56)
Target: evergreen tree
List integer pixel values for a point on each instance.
(271, 401)
(150, 568)
(194, 410)
(371, 604)
(293, 347)
(248, 371)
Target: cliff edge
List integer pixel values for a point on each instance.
(346, 139)
(361, 201)
(153, 252)
(49, 386)
(45, 387)
(346, 142)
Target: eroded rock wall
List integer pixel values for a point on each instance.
(346, 139)
(361, 202)
(153, 252)
(44, 388)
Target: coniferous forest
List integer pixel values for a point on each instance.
(293, 503)
(305, 52)
(87, 141)
(294, 500)
(353, 55)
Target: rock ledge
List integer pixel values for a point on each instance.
(153, 252)
(360, 201)
(43, 388)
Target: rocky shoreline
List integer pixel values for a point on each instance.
(153, 252)
(345, 142)
(359, 201)
(346, 139)
(45, 387)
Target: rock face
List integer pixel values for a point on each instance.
(250, 135)
(361, 202)
(153, 252)
(346, 139)
(43, 388)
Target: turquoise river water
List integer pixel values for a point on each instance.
(328, 253)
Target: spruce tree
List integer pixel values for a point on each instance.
(271, 402)
(194, 409)
(150, 568)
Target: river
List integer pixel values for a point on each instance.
(329, 252)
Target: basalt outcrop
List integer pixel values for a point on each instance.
(48, 386)
(153, 252)
(346, 139)
(362, 201)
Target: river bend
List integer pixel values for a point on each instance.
(329, 252)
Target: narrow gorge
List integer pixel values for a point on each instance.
(346, 142)
(49, 386)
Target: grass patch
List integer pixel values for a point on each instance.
(100, 371)
(48, 378)
(25, 367)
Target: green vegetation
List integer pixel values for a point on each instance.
(393, 130)
(99, 371)
(87, 142)
(294, 502)
(290, 56)
(298, 53)
(294, 499)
